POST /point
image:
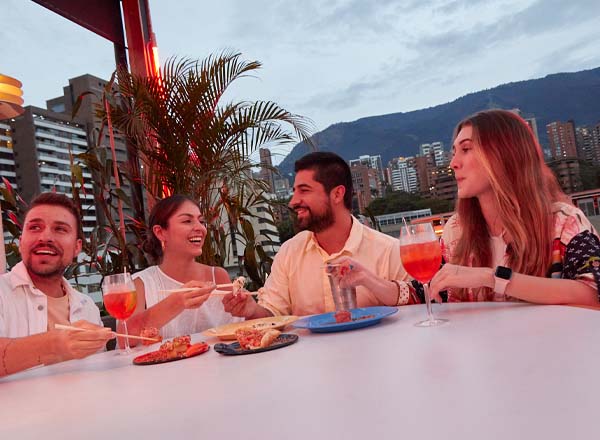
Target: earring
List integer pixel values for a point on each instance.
(162, 245)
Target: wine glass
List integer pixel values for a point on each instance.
(421, 257)
(120, 300)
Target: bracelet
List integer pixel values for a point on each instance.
(4, 357)
(403, 293)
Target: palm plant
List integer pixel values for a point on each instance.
(191, 142)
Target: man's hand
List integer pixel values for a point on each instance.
(73, 344)
(241, 304)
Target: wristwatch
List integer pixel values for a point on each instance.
(502, 277)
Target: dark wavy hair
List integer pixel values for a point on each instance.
(330, 171)
(160, 215)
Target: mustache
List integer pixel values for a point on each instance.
(46, 246)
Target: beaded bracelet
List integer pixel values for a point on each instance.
(403, 294)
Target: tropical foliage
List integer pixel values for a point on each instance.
(191, 142)
(188, 141)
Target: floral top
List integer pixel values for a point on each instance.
(575, 249)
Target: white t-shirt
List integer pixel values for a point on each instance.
(24, 308)
(210, 314)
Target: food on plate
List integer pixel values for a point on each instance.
(195, 349)
(238, 284)
(252, 338)
(150, 332)
(342, 316)
(175, 348)
(345, 316)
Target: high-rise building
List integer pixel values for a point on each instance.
(86, 114)
(266, 171)
(588, 143)
(372, 162)
(562, 139)
(568, 173)
(443, 184)
(437, 148)
(531, 121)
(366, 183)
(7, 158)
(45, 143)
(404, 175)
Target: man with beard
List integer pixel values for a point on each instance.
(34, 295)
(298, 283)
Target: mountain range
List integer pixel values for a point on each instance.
(557, 97)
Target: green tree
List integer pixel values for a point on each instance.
(400, 201)
(192, 142)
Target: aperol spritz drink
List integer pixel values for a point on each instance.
(421, 257)
(120, 299)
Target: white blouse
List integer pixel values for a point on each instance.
(210, 314)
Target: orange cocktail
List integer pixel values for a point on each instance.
(120, 305)
(421, 260)
(421, 257)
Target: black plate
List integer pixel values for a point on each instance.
(235, 349)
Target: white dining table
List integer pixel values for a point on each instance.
(495, 371)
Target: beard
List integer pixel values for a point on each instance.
(47, 270)
(315, 222)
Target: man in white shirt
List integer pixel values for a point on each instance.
(34, 295)
(298, 283)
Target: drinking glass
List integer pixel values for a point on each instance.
(120, 300)
(421, 257)
(344, 296)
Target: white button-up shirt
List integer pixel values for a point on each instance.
(298, 283)
(24, 308)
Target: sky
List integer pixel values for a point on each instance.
(328, 60)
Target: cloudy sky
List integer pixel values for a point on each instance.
(334, 60)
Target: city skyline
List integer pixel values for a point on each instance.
(331, 63)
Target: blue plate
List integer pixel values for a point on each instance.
(363, 317)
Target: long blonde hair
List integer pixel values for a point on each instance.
(524, 188)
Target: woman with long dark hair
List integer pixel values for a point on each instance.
(515, 235)
(176, 234)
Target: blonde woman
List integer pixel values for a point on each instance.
(515, 235)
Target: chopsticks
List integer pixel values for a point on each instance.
(78, 329)
(189, 289)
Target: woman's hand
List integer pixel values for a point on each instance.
(193, 299)
(460, 277)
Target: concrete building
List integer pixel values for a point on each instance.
(266, 234)
(266, 169)
(561, 136)
(7, 158)
(367, 185)
(371, 162)
(568, 174)
(437, 148)
(443, 184)
(87, 116)
(404, 174)
(588, 143)
(282, 188)
(45, 143)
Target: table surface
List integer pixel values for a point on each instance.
(495, 371)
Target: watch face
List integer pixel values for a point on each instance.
(503, 272)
